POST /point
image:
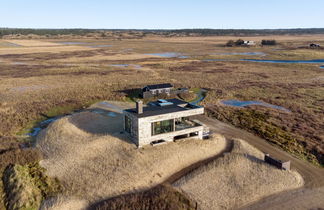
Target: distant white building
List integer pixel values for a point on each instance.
(249, 43)
(162, 121)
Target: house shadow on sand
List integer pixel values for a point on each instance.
(100, 122)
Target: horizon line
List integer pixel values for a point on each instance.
(162, 29)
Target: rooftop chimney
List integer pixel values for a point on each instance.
(139, 107)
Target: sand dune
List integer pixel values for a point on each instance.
(94, 165)
(237, 178)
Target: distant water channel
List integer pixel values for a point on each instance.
(72, 43)
(100, 46)
(285, 61)
(242, 53)
(10, 44)
(169, 55)
(136, 66)
(238, 103)
(316, 61)
(35, 131)
(200, 97)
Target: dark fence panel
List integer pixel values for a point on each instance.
(278, 163)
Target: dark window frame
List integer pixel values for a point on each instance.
(161, 127)
(128, 124)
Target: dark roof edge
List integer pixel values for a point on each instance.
(158, 86)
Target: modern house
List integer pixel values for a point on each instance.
(155, 90)
(163, 121)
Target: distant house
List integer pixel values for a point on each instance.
(249, 43)
(160, 89)
(157, 89)
(313, 45)
(163, 121)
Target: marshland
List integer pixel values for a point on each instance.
(60, 77)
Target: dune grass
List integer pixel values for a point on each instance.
(162, 197)
(237, 178)
(27, 185)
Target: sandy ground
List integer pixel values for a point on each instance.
(236, 179)
(63, 203)
(41, 49)
(32, 43)
(296, 199)
(115, 57)
(94, 161)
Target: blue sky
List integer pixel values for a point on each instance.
(162, 14)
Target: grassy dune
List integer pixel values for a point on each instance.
(237, 178)
(89, 155)
(27, 185)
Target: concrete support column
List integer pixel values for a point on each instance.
(174, 124)
(200, 134)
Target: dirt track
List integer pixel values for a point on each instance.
(313, 176)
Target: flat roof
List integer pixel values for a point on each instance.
(159, 86)
(154, 108)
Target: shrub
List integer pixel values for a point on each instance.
(162, 197)
(187, 96)
(268, 42)
(27, 185)
(230, 43)
(239, 42)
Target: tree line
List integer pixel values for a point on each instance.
(202, 32)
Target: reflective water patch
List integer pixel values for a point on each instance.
(100, 46)
(136, 66)
(169, 55)
(120, 65)
(72, 43)
(19, 63)
(41, 126)
(285, 61)
(111, 106)
(9, 44)
(242, 53)
(238, 103)
(34, 132)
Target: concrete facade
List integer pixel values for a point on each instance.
(141, 127)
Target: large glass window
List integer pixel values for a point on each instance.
(164, 126)
(128, 124)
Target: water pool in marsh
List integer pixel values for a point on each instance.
(242, 53)
(169, 55)
(238, 103)
(285, 61)
(136, 66)
(72, 43)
